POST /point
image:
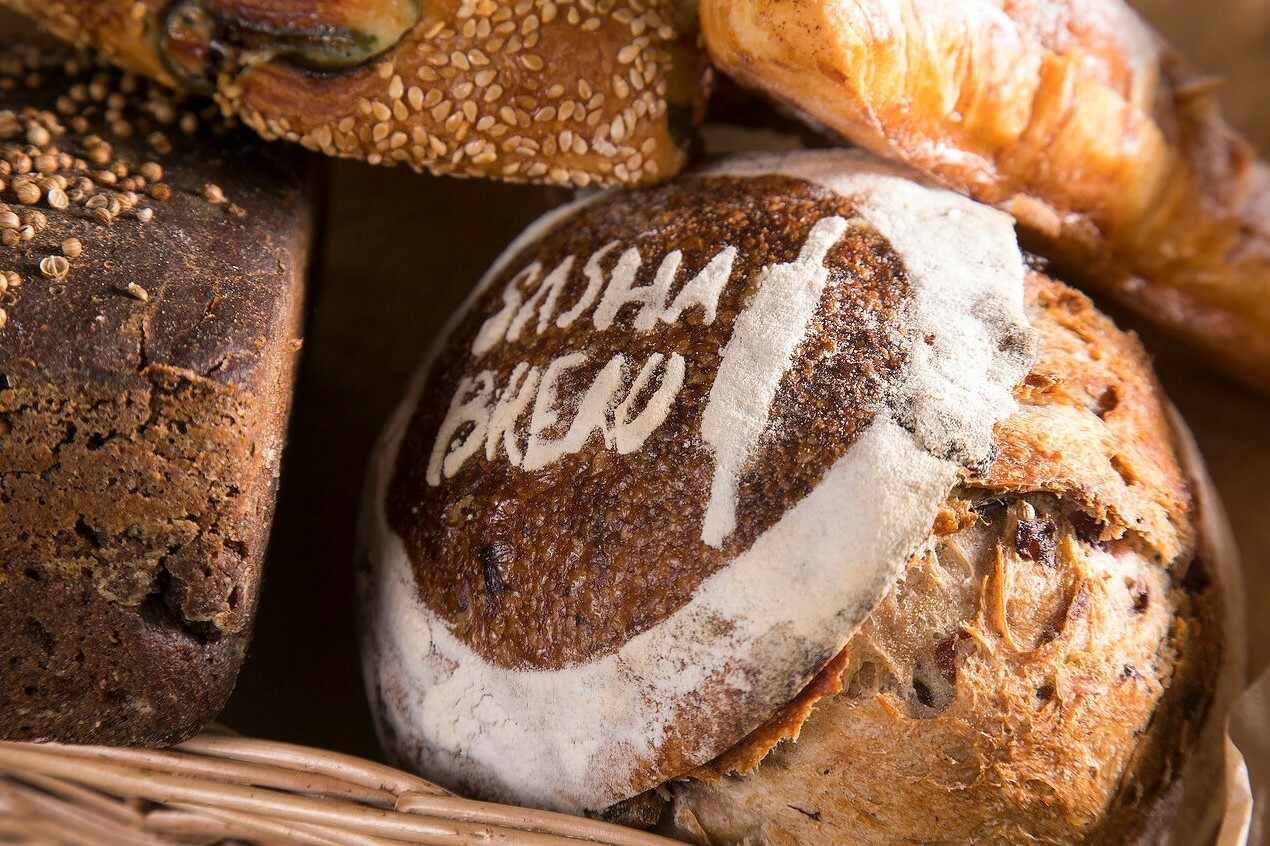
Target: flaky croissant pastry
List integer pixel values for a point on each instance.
(522, 90)
(1070, 114)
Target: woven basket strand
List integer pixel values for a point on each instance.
(220, 788)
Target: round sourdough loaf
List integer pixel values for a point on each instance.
(690, 456)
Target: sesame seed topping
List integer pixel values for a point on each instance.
(479, 73)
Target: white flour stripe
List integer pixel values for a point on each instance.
(756, 358)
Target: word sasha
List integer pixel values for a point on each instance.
(531, 302)
(485, 416)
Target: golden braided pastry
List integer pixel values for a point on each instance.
(1070, 114)
(570, 92)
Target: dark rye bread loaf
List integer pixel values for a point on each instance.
(151, 317)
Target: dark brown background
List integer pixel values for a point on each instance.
(399, 253)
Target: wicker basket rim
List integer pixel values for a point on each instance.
(220, 787)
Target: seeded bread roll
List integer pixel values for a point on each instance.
(691, 458)
(1073, 115)
(151, 314)
(566, 92)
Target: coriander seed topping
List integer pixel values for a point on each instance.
(28, 193)
(55, 267)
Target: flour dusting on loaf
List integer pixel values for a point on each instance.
(665, 461)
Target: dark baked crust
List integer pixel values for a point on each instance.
(508, 558)
(140, 433)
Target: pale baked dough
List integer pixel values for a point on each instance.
(1070, 114)
(1036, 675)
